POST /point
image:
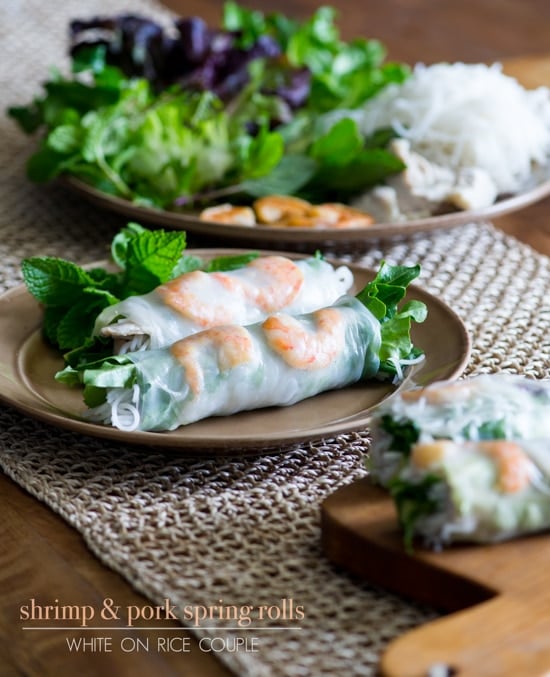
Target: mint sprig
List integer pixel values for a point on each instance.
(73, 297)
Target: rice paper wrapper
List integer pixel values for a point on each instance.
(498, 406)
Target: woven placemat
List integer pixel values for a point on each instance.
(240, 530)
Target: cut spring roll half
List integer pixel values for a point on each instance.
(199, 300)
(278, 361)
(482, 491)
(498, 406)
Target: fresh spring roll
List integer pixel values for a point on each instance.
(498, 406)
(199, 300)
(278, 361)
(481, 491)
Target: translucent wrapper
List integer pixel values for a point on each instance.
(223, 370)
(487, 407)
(198, 300)
(481, 491)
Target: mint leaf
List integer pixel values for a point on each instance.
(224, 263)
(186, 264)
(73, 297)
(54, 281)
(52, 317)
(77, 324)
(119, 245)
(93, 349)
(151, 258)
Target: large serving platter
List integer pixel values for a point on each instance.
(28, 365)
(537, 189)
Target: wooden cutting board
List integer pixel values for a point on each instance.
(499, 595)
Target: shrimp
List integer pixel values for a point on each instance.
(514, 466)
(425, 454)
(199, 296)
(281, 284)
(232, 345)
(340, 216)
(445, 393)
(213, 299)
(274, 208)
(229, 214)
(303, 349)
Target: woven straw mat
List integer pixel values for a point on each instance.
(241, 530)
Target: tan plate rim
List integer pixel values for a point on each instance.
(17, 328)
(380, 231)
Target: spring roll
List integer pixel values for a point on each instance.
(476, 491)
(498, 406)
(198, 300)
(276, 362)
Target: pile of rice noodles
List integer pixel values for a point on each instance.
(468, 115)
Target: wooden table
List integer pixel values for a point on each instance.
(39, 552)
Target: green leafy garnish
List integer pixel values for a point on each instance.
(489, 430)
(404, 433)
(150, 260)
(382, 297)
(413, 500)
(221, 263)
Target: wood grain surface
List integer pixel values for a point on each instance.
(42, 558)
(501, 591)
(39, 552)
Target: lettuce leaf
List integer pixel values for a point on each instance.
(382, 297)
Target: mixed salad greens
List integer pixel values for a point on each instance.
(173, 116)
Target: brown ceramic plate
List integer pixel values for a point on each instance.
(28, 365)
(536, 190)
